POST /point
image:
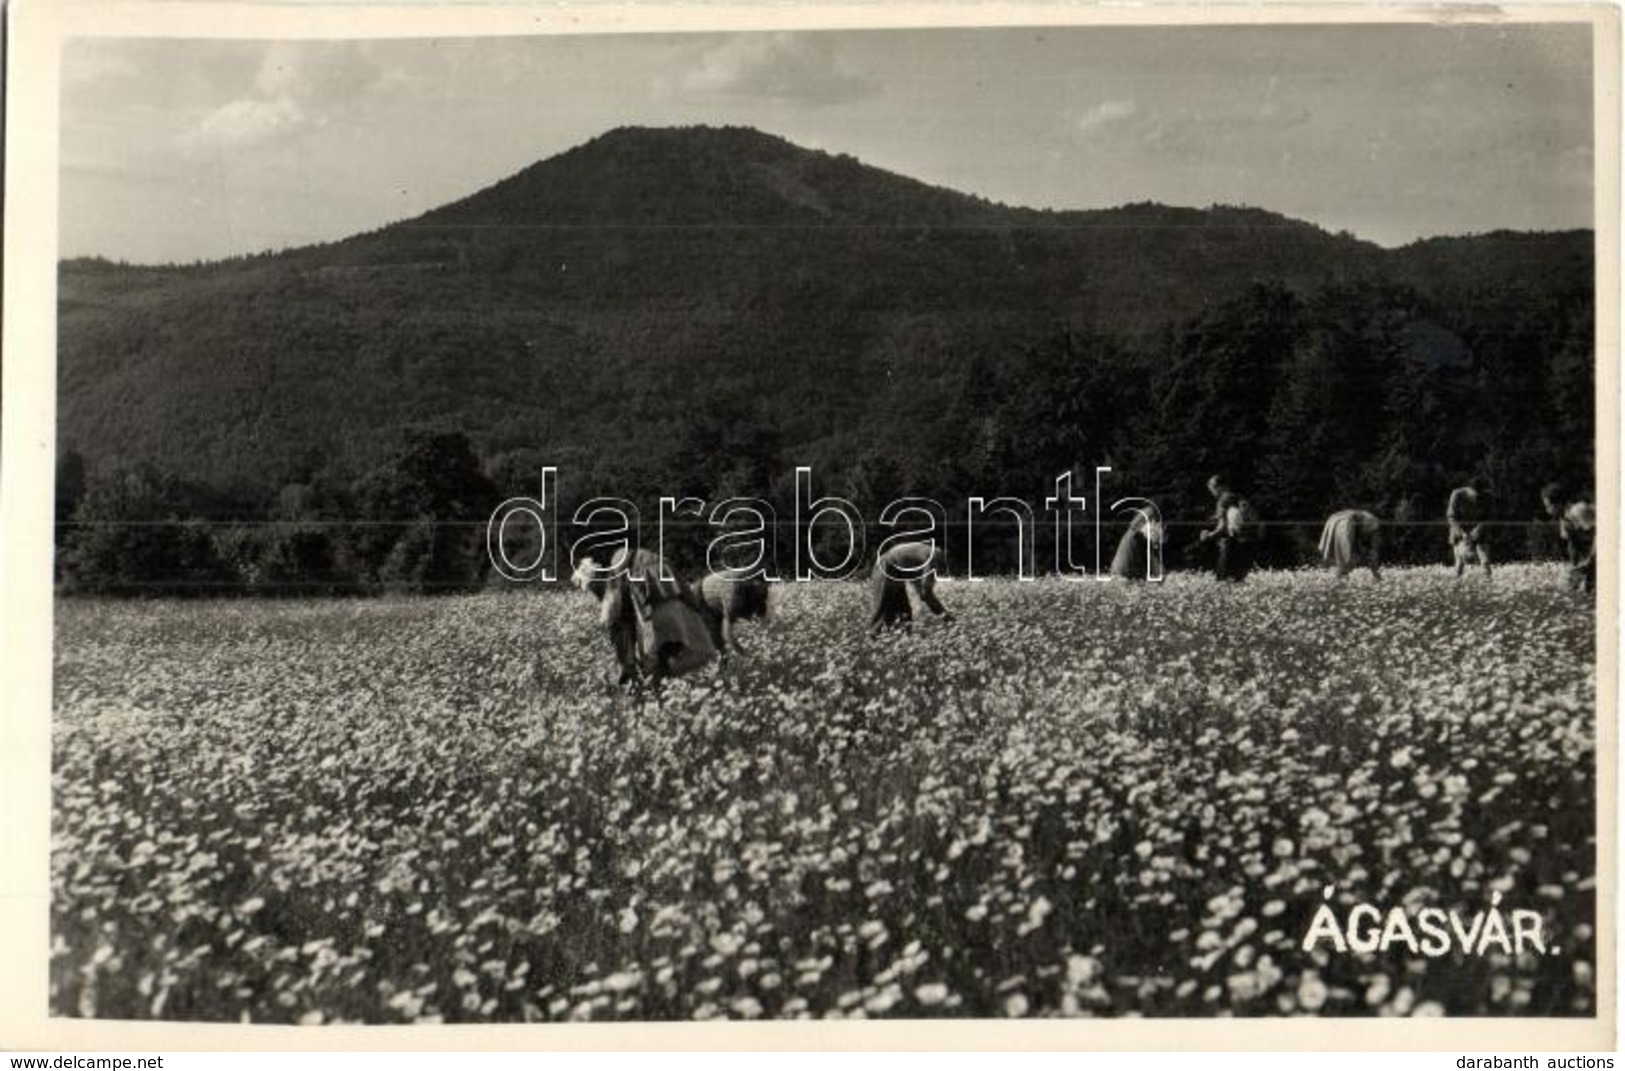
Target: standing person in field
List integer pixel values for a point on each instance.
(1235, 529)
(1577, 527)
(889, 605)
(1351, 539)
(1464, 514)
(723, 598)
(648, 615)
(1139, 547)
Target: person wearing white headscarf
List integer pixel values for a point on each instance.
(888, 590)
(1350, 540)
(724, 598)
(1140, 546)
(1464, 516)
(648, 614)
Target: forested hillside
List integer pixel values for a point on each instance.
(700, 310)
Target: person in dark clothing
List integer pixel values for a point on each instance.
(1577, 527)
(1232, 534)
(1464, 514)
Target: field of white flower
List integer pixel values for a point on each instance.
(1077, 799)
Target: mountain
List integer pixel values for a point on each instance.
(655, 290)
(706, 176)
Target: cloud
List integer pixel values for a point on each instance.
(1105, 114)
(781, 66)
(1196, 123)
(248, 122)
(297, 86)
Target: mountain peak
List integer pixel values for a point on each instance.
(705, 175)
(694, 134)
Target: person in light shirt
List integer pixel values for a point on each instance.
(1139, 552)
(1350, 540)
(724, 599)
(905, 566)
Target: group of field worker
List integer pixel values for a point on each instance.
(1351, 538)
(660, 626)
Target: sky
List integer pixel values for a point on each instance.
(175, 150)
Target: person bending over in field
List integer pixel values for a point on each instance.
(1577, 527)
(1351, 539)
(1235, 528)
(1464, 514)
(1136, 549)
(648, 615)
(723, 598)
(889, 605)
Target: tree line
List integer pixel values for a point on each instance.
(1356, 394)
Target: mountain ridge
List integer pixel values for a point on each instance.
(649, 269)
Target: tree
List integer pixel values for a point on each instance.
(70, 488)
(132, 535)
(423, 514)
(1212, 399)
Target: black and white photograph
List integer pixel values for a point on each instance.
(1047, 519)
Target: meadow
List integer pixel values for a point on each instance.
(1076, 799)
